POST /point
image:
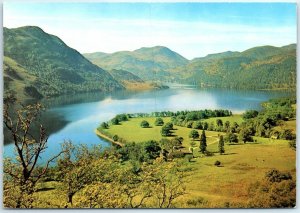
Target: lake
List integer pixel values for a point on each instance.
(75, 117)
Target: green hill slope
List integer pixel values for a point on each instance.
(263, 67)
(123, 75)
(148, 63)
(54, 67)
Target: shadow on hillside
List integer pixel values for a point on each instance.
(45, 189)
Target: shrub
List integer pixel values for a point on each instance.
(115, 138)
(159, 122)
(189, 157)
(217, 163)
(104, 125)
(177, 154)
(144, 124)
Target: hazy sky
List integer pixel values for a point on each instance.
(191, 29)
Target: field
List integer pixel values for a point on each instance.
(241, 165)
(131, 130)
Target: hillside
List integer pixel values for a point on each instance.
(263, 67)
(17, 80)
(148, 63)
(48, 67)
(123, 75)
(133, 82)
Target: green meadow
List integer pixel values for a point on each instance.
(242, 164)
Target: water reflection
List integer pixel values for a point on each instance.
(75, 117)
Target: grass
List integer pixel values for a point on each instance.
(241, 165)
(131, 131)
(207, 185)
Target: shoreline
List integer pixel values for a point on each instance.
(107, 138)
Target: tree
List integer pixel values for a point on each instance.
(169, 125)
(231, 138)
(245, 135)
(144, 124)
(203, 144)
(227, 126)
(211, 127)
(197, 125)
(115, 121)
(166, 130)
(250, 114)
(159, 122)
(194, 134)
(152, 149)
(221, 145)
(219, 122)
(24, 172)
(189, 124)
(104, 125)
(205, 125)
(166, 183)
(115, 138)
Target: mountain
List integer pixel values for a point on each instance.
(123, 75)
(264, 67)
(148, 63)
(42, 65)
(133, 82)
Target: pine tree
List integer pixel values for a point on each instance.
(203, 144)
(221, 145)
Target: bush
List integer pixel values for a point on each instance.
(159, 122)
(115, 138)
(115, 121)
(217, 163)
(104, 125)
(144, 124)
(177, 154)
(189, 157)
(292, 144)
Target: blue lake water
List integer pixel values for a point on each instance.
(76, 117)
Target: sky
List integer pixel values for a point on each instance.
(191, 29)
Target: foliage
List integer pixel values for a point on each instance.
(277, 190)
(115, 137)
(115, 121)
(231, 138)
(144, 124)
(221, 145)
(194, 134)
(250, 114)
(293, 144)
(159, 122)
(104, 125)
(166, 129)
(203, 144)
(23, 173)
(217, 163)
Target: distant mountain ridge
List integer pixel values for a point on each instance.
(263, 67)
(149, 63)
(54, 67)
(38, 64)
